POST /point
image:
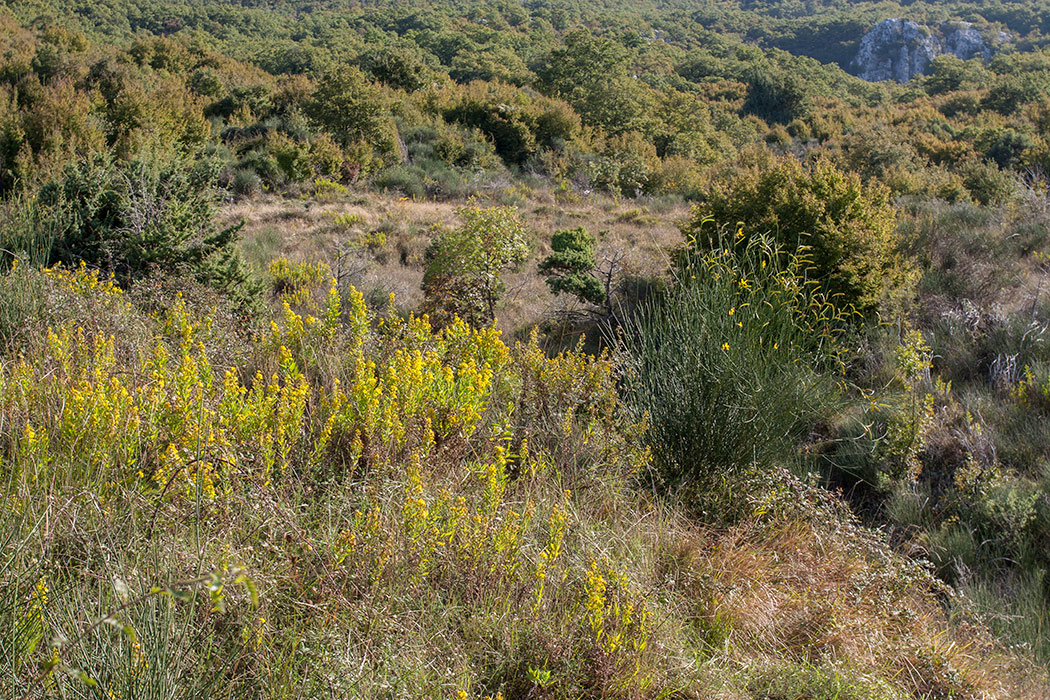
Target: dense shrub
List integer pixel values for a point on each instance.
(297, 517)
(729, 364)
(777, 96)
(591, 74)
(352, 109)
(130, 219)
(519, 123)
(845, 228)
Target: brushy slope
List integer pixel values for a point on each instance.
(353, 505)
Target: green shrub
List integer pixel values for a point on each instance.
(570, 268)
(592, 74)
(399, 68)
(464, 264)
(517, 123)
(134, 218)
(728, 365)
(777, 96)
(845, 228)
(628, 165)
(352, 110)
(405, 179)
(986, 183)
(265, 166)
(246, 182)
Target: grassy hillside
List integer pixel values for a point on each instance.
(535, 350)
(352, 504)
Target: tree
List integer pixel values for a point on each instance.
(351, 109)
(464, 265)
(590, 73)
(518, 123)
(950, 73)
(570, 268)
(397, 67)
(777, 96)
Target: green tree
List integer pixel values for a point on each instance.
(398, 67)
(950, 73)
(590, 73)
(777, 96)
(518, 123)
(351, 108)
(464, 265)
(570, 268)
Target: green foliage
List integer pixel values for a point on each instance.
(1012, 91)
(569, 269)
(843, 228)
(352, 109)
(464, 265)
(729, 366)
(119, 123)
(590, 73)
(1005, 146)
(950, 73)
(518, 124)
(132, 219)
(777, 96)
(627, 165)
(398, 68)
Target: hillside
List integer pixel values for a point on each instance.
(521, 350)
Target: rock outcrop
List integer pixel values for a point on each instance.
(898, 49)
(895, 49)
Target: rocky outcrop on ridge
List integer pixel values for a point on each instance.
(898, 49)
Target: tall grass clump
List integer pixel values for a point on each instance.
(735, 360)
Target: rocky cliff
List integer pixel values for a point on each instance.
(897, 49)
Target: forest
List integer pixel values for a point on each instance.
(486, 349)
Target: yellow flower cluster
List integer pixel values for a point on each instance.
(84, 281)
(1030, 391)
(174, 422)
(616, 615)
(165, 422)
(29, 631)
(456, 418)
(551, 551)
(294, 282)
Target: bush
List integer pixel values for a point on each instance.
(570, 268)
(987, 184)
(246, 182)
(627, 166)
(398, 68)
(405, 179)
(519, 124)
(134, 218)
(844, 228)
(464, 265)
(728, 364)
(351, 109)
(777, 96)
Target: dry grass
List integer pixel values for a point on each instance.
(772, 595)
(306, 230)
